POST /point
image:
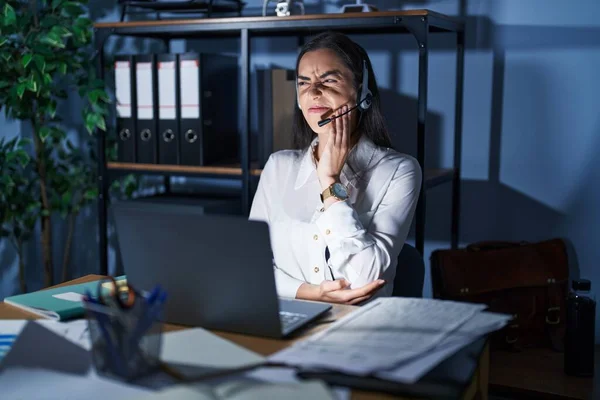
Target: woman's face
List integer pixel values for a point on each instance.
(325, 84)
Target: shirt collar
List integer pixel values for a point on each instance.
(359, 159)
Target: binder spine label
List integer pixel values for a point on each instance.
(123, 88)
(190, 87)
(144, 91)
(166, 89)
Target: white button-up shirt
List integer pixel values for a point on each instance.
(363, 234)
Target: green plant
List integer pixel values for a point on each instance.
(19, 200)
(74, 184)
(46, 56)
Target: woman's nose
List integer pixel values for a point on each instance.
(315, 89)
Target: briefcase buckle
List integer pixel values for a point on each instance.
(556, 320)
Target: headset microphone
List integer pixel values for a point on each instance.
(328, 120)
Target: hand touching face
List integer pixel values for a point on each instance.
(325, 85)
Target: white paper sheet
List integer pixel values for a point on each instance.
(69, 296)
(199, 347)
(238, 389)
(288, 375)
(481, 324)
(42, 384)
(380, 335)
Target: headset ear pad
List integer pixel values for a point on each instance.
(297, 96)
(366, 97)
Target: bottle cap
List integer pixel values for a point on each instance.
(581, 284)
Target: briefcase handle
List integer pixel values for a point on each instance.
(494, 245)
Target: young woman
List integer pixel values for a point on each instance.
(340, 207)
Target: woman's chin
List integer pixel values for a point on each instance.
(320, 130)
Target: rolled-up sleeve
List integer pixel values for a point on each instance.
(287, 286)
(362, 255)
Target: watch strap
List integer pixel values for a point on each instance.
(327, 193)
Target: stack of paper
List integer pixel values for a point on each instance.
(399, 339)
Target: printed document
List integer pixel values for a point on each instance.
(380, 335)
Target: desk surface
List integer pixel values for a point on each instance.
(268, 346)
(538, 372)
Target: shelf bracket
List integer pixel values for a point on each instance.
(418, 26)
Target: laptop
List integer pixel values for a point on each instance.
(217, 270)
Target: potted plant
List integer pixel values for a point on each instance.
(19, 198)
(46, 55)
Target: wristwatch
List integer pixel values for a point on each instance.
(336, 190)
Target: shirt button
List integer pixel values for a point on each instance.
(316, 269)
(316, 237)
(327, 232)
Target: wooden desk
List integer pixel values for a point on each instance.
(538, 373)
(476, 390)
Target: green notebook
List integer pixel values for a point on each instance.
(62, 303)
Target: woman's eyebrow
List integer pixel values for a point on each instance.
(331, 72)
(336, 72)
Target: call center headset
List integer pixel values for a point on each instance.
(363, 101)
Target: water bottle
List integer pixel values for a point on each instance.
(579, 337)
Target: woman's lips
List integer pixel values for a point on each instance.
(318, 110)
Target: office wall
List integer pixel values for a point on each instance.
(531, 126)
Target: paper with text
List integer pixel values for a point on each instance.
(481, 324)
(380, 335)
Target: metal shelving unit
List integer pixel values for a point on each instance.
(419, 23)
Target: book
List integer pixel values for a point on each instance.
(60, 304)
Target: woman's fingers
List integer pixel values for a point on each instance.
(339, 128)
(367, 290)
(345, 132)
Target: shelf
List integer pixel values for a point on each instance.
(376, 22)
(187, 6)
(224, 170)
(433, 177)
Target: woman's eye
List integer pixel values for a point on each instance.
(301, 83)
(330, 80)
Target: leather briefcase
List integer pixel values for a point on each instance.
(526, 280)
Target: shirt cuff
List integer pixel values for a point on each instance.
(286, 285)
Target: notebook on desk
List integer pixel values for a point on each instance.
(61, 303)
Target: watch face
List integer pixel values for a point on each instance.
(339, 191)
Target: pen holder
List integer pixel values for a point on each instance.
(126, 343)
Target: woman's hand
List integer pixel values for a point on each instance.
(336, 150)
(336, 292)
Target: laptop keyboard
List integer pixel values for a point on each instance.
(288, 318)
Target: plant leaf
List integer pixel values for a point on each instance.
(21, 87)
(26, 60)
(44, 133)
(9, 15)
(40, 62)
(100, 123)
